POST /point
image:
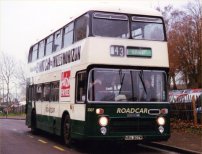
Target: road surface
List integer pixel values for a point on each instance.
(16, 138)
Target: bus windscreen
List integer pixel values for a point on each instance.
(122, 85)
(117, 25)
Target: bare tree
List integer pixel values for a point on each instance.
(21, 77)
(1, 90)
(7, 72)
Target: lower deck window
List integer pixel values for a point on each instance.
(81, 86)
(46, 92)
(55, 91)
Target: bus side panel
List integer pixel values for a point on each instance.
(43, 122)
(78, 120)
(49, 124)
(78, 129)
(77, 114)
(54, 117)
(28, 113)
(57, 127)
(42, 111)
(28, 106)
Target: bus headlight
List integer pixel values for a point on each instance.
(161, 121)
(103, 121)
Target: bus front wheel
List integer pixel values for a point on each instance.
(66, 131)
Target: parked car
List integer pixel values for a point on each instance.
(194, 92)
(173, 95)
(199, 108)
(184, 96)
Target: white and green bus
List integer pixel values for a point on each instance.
(103, 76)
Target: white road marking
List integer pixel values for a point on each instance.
(58, 148)
(42, 141)
(30, 136)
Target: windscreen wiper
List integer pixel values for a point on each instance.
(121, 79)
(133, 96)
(141, 78)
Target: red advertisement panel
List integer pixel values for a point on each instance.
(65, 84)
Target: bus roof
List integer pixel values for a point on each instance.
(118, 9)
(104, 7)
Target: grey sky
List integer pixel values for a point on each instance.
(23, 22)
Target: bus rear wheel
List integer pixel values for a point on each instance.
(66, 131)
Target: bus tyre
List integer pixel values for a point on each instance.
(66, 131)
(33, 122)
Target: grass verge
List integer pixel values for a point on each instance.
(186, 126)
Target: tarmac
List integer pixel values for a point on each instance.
(178, 139)
(185, 140)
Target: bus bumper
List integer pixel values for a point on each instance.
(126, 138)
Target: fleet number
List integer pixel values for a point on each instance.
(90, 109)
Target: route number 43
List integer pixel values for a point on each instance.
(117, 50)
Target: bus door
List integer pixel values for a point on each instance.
(54, 105)
(29, 104)
(45, 105)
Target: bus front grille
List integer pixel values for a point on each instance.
(139, 125)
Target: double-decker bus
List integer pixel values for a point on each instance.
(102, 76)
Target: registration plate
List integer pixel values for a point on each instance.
(134, 137)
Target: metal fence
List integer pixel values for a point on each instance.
(13, 109)
(188, 109)
(18, 109)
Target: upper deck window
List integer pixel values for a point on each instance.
(57, 40)
(35, 52)
(41, 48)
(82, 27)
(147, 28)
(110, 25)
(68, 36)
(49, 45)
